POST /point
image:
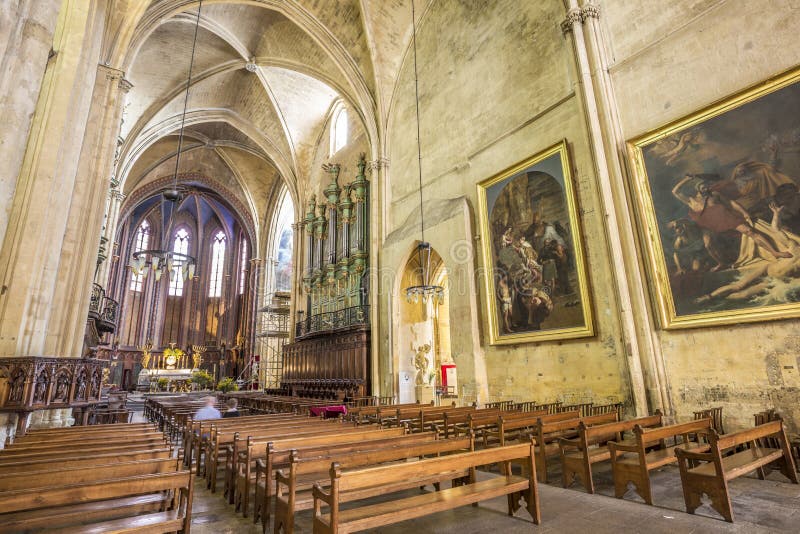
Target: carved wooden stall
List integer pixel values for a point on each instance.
(32, 383)
(330, 355)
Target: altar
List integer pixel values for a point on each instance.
(169, 371)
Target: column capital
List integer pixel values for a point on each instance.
(110, 72)
(377, 164)
(125, 85)
(255, 262)
(578, 15)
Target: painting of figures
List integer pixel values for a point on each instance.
(718, 196)
(535, 278)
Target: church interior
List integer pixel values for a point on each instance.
(354, 265)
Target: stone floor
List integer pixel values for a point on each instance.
(771, 505)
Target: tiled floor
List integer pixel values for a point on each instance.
(760, 506)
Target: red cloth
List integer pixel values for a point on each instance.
(328, 411)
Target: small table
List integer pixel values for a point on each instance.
(328, 412)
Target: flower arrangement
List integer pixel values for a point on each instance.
(202, 379)
(227, 384)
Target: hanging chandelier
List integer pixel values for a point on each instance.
(164, 259)
(424, 291)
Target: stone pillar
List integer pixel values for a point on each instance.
(115, 198)
(255, 303)
(641, 352)
(26, 38)
(49, 251)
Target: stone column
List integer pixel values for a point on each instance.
(255, 303)
(115, 198)
(49, 251)
(26, 37)
(641, 352)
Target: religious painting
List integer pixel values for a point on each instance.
(718, 201)
(535, 276)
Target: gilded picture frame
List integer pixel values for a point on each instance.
(717, 198)
(535, 276)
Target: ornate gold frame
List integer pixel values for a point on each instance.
(648, 225)
(585, 330)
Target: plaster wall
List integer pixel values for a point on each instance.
(669, 59)
(496, 86)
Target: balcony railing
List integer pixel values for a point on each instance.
(335, 320)
(103, 309)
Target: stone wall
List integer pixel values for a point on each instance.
(669, 59)
(501, 83)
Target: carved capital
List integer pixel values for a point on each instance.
(590, 11)
(110, 73)
(377, 164)
(125, 85)
(574, 16)
(579, 16)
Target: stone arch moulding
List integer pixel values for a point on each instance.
(336, 51)
(226, 194)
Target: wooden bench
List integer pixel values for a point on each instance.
(260, 438)
(211, 444)
(94, 449)
(338, 521)
(279, 456)
(56, 446)
(245, 459)
(533, 406)
(716, 470)
(95, 506)
(591, 447)
(77, 460)
(307, 467)
(635, 466)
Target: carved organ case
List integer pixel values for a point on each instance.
(336, 233)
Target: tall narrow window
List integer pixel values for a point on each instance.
(181, 246)
(217, 261)
(242, 267)
(140, 243)
(339, 131)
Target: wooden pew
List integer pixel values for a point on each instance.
(214, 435)
(91, 507)
(57, 475)
(399, 415)
(245, 460)
(55, 447)
(260, 438)
(533, 406)
(403, 508)
(636, 467)
(457, 423)
(505, 406)
(78, 439)
(307, 467)
(550, 428)
(93, 450)
(278, 456)
(78, 460)
(222, 441)
(591, 447)
(716, 470)
(369, 414)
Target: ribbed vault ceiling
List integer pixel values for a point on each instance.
(262, 123)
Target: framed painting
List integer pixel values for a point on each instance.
(718, 201)
(536, 283)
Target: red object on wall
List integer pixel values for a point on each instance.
(446, 370)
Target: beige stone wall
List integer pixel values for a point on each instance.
(668, 59)
(496, 86)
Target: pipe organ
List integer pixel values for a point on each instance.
(330, 354)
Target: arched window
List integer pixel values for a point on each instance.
(181, 246)
(242, 266)
(141, 242)
(217, 262)
(283, 246)
(339, 131)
